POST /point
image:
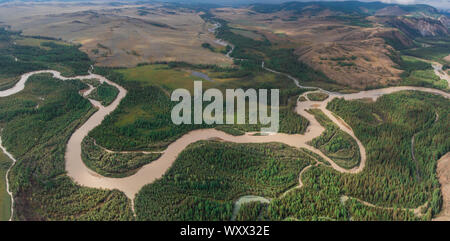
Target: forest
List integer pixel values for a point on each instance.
(317, 96)
(139, 124)
(209, 175)
(251, 211)
(5, 199)
(385, 127)
(391, 180)
(113, 164)
(16, 59)
(105, 93)
(418, 73)
(335, 143)
(37, 124)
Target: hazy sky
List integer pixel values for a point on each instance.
(442, 4)
(436, 3)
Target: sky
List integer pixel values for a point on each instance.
(441, 4)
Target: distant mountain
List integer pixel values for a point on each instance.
(347, 7)
(414, 20)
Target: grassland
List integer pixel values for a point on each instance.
(160, 75)
(139, 124)
(426, 78)
(316, 40)
(5, 199)
(435, 49)
(248, 34)
(38, 42)
(208, 176)
(123, 35)
(419, 73)
(37, 54)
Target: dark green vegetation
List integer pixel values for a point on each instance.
(417, 72)
(430, 48)
(37, 138)
(335, 143)
(317, 96)
(249, 53)
(391, 177)
(250, 211)
(320, 200)
(361, 212)
(208, 46)
(104, 93)
(142, 121)
(223, 50)
(16, 59)
(113, 164)
(5, 199)
(208, 176)
(140, 124)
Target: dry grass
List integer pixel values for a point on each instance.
(447, 58)
(321, 43)
(120, 36)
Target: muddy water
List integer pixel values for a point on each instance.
(82, 175)
(156, 169)
(440, 72)
(244, 200)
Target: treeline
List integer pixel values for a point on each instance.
(322, 199)
(50, 55)
(335, 143)
(37, 137)
(113, 164)
(208, 176)
(105, 93)
(251, 211)
(250, 54)
(391, 176)
(152, 127)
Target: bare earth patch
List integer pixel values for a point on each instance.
(447, 58)
(351, 55)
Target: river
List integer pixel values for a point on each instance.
(130, 185)
(81, 174)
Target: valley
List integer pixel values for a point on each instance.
(361, 141)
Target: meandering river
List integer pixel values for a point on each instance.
(131, 185)
(82, 175)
